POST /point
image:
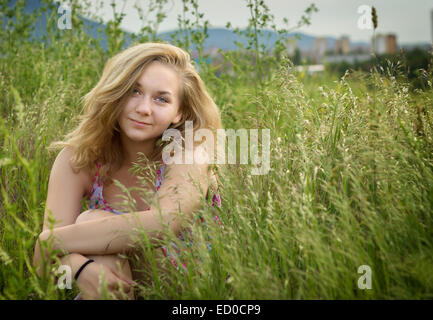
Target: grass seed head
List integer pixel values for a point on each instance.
(374, 17)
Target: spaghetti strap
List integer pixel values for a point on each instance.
(96, 200)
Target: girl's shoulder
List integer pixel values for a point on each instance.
(84, 175)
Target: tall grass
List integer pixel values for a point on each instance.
(351, 180)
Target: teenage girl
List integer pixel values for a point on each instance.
(143, 91)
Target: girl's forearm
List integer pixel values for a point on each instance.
(111, 234)
(119, 233)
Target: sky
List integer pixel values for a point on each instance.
(409, 20)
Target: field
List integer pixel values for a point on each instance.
(350, 185)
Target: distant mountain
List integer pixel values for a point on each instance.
(225, 39)
(40, 27)
(218, 37)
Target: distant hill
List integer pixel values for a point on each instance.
(218, 37)
(225, 39)
(91, 27)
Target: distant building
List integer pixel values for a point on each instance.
(379, 44)
(342, 45)
(360, 49)
(311, 69)
(320, 46)
(391, 43)
(385, 44)
(431, 24)
(349, 58)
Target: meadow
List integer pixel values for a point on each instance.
(350, 185)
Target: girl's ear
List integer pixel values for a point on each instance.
(177, 118)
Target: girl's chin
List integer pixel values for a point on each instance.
(136, 137)
(140, 138)
(139, 135)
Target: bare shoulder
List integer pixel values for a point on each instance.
(62, 166)
(199, 171)
(66, 189)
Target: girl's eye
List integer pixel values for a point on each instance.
(162, 99)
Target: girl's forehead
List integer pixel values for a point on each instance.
(159, 77)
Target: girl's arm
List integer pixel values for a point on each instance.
(63, 205)
(181, 191)
(65, 191)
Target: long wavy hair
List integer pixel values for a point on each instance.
(97, 137)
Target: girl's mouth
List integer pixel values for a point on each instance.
(140, 124)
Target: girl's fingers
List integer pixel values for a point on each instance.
(124, 287)
(123, 278)
(118, 285)
(118, 293)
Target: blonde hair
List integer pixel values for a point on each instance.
(97, 137)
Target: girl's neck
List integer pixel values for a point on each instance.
(132, 148)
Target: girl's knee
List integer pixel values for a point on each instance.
(84, 216)
(92, 214)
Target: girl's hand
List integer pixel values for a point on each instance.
(37, 256)
(41, 255)
(92, 278)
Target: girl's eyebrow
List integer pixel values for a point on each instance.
(159, 91)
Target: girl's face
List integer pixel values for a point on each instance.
(153, 104)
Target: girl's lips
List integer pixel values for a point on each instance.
(139, 124)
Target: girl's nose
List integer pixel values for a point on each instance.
(144, 106)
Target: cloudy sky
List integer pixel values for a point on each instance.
(410, 20)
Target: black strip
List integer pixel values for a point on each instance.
(82, 267)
